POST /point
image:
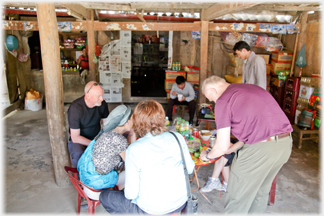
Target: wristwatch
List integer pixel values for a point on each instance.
(208, 157)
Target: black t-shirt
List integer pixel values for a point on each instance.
(86, 119)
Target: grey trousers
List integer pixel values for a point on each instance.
(76, 150)
(253, 169)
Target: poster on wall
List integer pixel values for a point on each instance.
(126, 70)
(125, 54)
(195, 34)
(170, 50)
(115, 63)
(126, 39)
(279, 29)
(64, 26)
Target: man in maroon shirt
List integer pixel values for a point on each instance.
(252, 115)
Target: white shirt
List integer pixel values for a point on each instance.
(154, 176)
(187, 91)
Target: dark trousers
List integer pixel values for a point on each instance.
(115, 202)
(191, 105)
(76, 150)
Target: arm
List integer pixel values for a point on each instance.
(77, 138)
(103, 120)
(221, 146)
(234, 147)
(122, 155)
(131, 137)
(260, 71)
(191, 93)
(173, 92)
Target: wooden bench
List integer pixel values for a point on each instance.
(301, 133)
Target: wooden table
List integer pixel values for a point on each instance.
(197, 167)
(301, 133)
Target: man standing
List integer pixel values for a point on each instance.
(84, 117)
(253, 116)
(254, 67)
(182, 93)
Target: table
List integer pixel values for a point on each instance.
(197, 167)
(301, 133)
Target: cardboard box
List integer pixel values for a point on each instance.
(193, 77)
(268, 88)
(234, 71)
(168, 93)
(265, 57)
(172, 75)
(235, 61)
(268, 69)
(279, 66)
(168, 84)
(279, 83)
(268, 80)
(284, 56)
(305, 92)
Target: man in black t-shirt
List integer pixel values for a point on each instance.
(84, 115)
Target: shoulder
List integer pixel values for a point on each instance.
(188, 85)
(77, 104)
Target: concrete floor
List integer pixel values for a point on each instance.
(30, 186)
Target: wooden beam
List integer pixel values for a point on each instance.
(33, 25)
(284, 8)
(140, 16)
(240, 27)
(107, 6)
(77, 9)
(91, 49)
(53, 82)
(168, 6)
(203, 59)
(148, 26)
(220, 9)
(302, 38)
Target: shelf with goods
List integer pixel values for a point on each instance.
(71, 44)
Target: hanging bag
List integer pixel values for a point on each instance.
(192, 201)
(22, 57)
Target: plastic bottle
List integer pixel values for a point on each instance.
(177, 126)
(186, 130)
(182, 128)
(167, 122)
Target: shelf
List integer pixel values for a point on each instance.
(73, 33)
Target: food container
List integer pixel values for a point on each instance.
(195, 132)
(205, 134)
(212, 141)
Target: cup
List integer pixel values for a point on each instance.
(180, 96)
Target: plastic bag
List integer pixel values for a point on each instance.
(231, 37)
(23, 57)
(250, 39)
(301, 59)
(95, 60)
(274, 44)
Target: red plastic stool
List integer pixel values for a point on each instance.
(183, 108)
(272, 193)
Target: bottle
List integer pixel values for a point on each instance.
(173, 66)
(177, 126)
(181, 129)
(167, 122)
(186, 130)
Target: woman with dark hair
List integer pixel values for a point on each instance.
(155, 181)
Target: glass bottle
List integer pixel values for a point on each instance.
(177, 126)
(182, 128)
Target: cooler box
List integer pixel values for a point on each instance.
(172, 75)
(193, 77)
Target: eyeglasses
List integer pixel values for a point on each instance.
(94, 84)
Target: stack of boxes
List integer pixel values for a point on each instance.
(309, 87)
(235, 67)
(290, 97)
(267, 60)
(280, 68)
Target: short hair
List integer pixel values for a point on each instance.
(148, 116)
(180, 80)
(240, 45)
(211, 80)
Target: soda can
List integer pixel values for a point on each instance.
(195, 132)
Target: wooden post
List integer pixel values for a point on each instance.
(203, 58)
(53, 82)
(302, 37)
(294, 56)
(91, 49)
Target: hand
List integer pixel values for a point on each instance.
(183, 98)
(203, 155)
(174, 93)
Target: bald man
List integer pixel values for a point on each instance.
(84, 115)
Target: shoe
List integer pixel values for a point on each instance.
(211, 184)
(190, 121)
(222, 187)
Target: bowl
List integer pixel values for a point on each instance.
(203, 136)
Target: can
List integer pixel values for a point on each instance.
(212, 140)
(195, 132)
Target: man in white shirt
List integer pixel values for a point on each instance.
(181, 87)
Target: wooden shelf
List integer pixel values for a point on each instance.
(73, 34)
